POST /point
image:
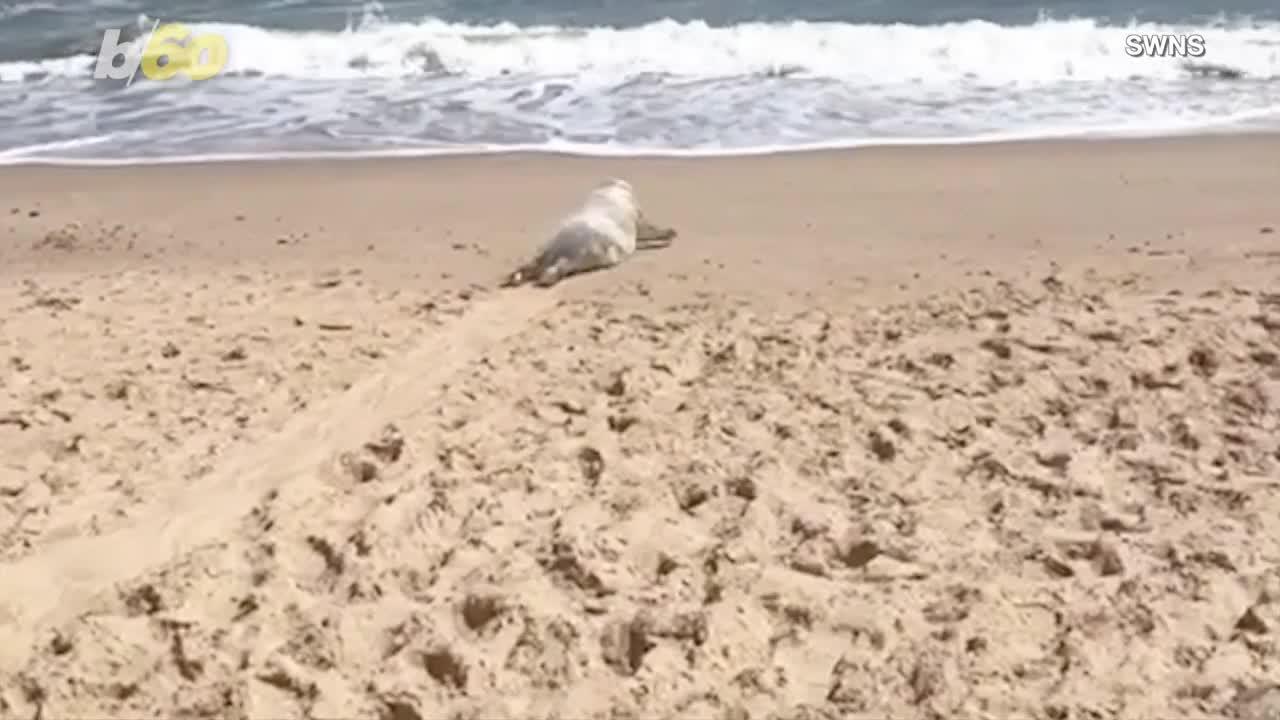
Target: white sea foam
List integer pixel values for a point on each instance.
(976, 52)
(433, 86)
(19, 9)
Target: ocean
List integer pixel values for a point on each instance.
(326, 77)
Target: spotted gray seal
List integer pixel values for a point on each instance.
(602, 232)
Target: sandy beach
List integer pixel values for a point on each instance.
(985, 431)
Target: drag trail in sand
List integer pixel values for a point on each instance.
(76, 571)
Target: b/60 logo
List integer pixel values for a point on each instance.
(167, 51)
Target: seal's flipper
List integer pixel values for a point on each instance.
(520, 276)
(652, 237)
(655, 243)
(552, 274)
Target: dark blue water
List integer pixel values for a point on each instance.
(615, 76)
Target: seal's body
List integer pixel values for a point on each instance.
(602, 232)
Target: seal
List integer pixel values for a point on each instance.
(602, 232)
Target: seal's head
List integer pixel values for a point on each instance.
(614, 182)
(617, 192)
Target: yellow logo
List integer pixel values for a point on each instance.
(172, 49)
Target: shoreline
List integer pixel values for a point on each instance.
(592, 152)
(853, 218)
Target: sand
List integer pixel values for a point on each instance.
(975, 431)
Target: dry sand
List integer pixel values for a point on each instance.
(982, 432)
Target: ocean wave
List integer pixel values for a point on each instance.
(20, 9)
(664, 87)
(64, 154)
(974, 53)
